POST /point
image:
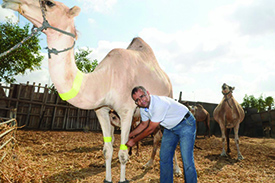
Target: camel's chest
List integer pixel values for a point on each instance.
(230, 117)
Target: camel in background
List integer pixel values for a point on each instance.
(202, 115)
(229, 114)
(157, 135)
(109, 86)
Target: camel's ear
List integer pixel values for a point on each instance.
(233, 88)
(74, 11)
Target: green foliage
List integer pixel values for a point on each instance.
(52, 89)
(262, 104)
(25, 58)
(269, 101)
(83, 62)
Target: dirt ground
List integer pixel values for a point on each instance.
(57, 156)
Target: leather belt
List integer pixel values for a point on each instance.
(187, 115)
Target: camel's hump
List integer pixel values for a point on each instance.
(139, 45)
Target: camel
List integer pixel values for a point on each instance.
(157, 135)
(109, 86)
(202, 115)
(229, 114)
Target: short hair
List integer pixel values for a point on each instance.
(135, 89)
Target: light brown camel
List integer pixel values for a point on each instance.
(229, 114)
(202, 115)
(157, 134)
(111, 83)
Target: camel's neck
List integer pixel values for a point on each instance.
(63, 71)
(62, 66)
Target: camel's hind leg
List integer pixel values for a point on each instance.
(176, 168)
(157, 138)
(236, 130)
(227, 133)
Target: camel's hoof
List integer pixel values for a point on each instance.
(126, 181)
(224, 155)
(105, 181)
(240, 157)
(177, 173)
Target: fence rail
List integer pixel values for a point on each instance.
(7, 135)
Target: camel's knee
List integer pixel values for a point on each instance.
(123, 156)
(108, 150)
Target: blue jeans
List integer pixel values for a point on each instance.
(185, 133)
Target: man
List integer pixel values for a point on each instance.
(179, 126)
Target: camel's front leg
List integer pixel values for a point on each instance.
(236, 131)
(126, 121)
(103, 117)
(223, 139)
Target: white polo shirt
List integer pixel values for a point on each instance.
(165, 110)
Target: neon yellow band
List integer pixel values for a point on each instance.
(75, 89)
(123, 147)
(107, 139)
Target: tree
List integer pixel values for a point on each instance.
(262, 104)
(249, 102)
(269, 101)
(83, 63)
(25, 58)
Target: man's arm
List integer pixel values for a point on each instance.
(150, 129)
(139, 128)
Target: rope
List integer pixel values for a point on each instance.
(45, 25)
(20, 43)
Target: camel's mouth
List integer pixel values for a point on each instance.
(224, 86)
(13, 5)
(16, 6)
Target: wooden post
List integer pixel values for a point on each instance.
(30, 104)
(54, 111)
(42, 109)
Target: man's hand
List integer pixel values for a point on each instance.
(130, 143)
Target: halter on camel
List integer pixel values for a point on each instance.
(225, 95)
(44, 26)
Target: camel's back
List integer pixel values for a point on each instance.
(160, 83)
(135, 66)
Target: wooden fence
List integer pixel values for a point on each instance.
(38, 107)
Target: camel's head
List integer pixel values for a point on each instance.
(226, 89)
(199, 106)
(57, 14)
(114, 118)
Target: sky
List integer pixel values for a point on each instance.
(199, 44)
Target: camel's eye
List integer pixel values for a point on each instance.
(49, 3)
